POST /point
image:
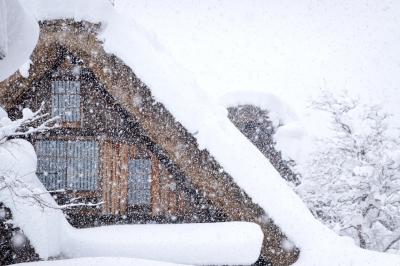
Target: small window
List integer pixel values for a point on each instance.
(66, 100)
(68, 164)
(139, 182)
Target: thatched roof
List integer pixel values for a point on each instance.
(59, 37)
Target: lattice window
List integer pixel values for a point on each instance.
(66, 100)
(139, 182)
(68, 164)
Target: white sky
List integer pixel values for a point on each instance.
(289, 48)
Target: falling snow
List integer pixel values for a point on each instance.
(111, 152)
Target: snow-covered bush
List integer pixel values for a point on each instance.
(33, 209)
(353, 181)
(14, 247)
(10, 179)
(24, 126)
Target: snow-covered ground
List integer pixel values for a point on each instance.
(199, 112)
(99, 261)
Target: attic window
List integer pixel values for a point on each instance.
(68, 164)
(66, 100)
(139, 182)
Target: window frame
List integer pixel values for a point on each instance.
(60, 156)
(65, 92)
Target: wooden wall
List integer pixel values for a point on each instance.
(114, 176)
(102, 121)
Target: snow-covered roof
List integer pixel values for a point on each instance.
(173, 86)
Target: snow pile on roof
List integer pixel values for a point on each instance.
(18, 36)
(173, 86)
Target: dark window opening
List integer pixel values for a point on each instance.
(66, 100)
(139, 182)
(70, 165)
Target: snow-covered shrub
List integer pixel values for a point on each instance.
(28, 124)
(353, 181)
(10, 179)
(32, 207)
(14, 247)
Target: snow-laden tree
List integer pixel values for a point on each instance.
(26, 125)
(11, 180)
(353, 181)
(29, 123)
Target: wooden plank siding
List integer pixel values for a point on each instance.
(114, 174)
(114, 159)
(104, 170)
(168, 195)
(123, 201)
(155, 186)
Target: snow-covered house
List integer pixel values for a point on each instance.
(120, 147)
(231, 167)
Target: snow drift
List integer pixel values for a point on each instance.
(99, 261)
(43, 226)
(232, 243)
(18, 36)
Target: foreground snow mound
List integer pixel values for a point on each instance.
(233, 243)
(99, 262)
(32, 207)
(343, 252)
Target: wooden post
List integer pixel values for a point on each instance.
(155, 186)
(124, 178)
